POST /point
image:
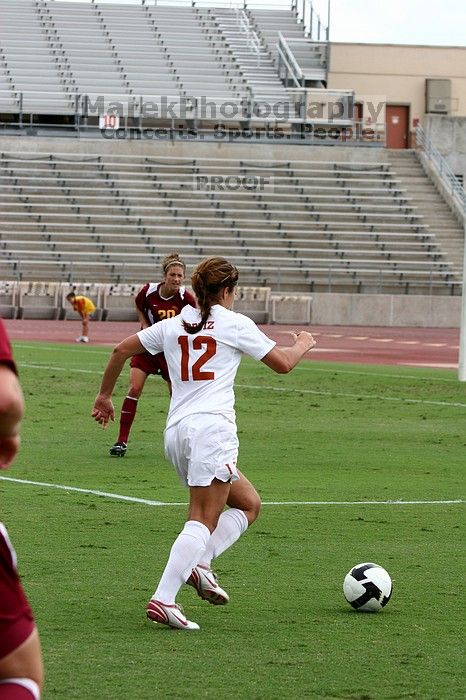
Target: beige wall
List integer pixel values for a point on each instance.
(188, 149)
(413, 310)
(397, 73)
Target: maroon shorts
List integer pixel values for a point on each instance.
(151, 364)
(16, 619)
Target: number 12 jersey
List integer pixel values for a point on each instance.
(203, 366)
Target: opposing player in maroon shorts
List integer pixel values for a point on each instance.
(154, 302)
(21, 672)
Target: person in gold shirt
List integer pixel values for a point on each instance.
(85, 308)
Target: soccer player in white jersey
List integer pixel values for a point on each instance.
(203, 348)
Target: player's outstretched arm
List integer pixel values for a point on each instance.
(142, 318)
(282, 360)
(11, 413)
(103, 410)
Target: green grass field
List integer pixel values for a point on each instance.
(325, 433)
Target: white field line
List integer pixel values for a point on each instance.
(312, 367)
(117, 496)
(350, 395)
(315, 392)
(436, 365)
(60, 369)
(71, 349)
(148, 502)
(301, 367)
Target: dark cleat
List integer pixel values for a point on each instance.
(118, 449)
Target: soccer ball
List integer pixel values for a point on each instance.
(367, 587)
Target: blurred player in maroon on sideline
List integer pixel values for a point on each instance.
(154, 302)
(21, 671)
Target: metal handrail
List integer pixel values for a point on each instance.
(286, 55)
(283, 42)
(442, 168)
(282, 58)
(330, 276)
(310, 19)
(245, 27)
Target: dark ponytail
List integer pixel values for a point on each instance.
(208, 279)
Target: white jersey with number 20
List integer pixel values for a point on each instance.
(203, 366)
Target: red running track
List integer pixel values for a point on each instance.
(421, 347)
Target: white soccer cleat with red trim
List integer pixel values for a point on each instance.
(205, 582)
(170, 615)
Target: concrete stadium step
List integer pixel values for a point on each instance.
(99, 203)
(437, 214)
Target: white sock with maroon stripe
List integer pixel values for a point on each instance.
(231, 525)
(184, 555)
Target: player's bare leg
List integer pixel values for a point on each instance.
(137, 380)
(205, 505)
(85, 325)
(244, 496)
(207, 502)
(84, 337)
(244, 507)
(24, 664)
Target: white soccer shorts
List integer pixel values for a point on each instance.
(203, 447)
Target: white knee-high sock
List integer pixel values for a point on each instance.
(184, 555)
(231, 525)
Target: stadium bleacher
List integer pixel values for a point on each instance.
(113, 302)
(137, 49)
(311, 225)
(305, 225)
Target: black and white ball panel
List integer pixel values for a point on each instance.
(367, 587)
